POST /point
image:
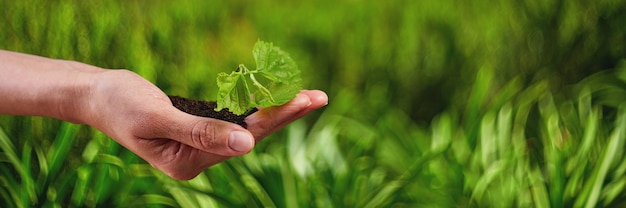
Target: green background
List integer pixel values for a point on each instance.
(431, 103)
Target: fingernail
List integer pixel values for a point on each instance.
(240, 141)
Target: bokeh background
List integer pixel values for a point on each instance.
(432, 103)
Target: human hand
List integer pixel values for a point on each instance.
(136, 113)
(141, 117)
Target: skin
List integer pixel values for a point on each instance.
(136, 113)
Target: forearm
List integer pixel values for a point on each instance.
(37, 86)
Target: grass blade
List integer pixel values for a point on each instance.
(593, 192)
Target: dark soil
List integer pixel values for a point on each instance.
(207, 109)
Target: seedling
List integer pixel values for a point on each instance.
(275, 81)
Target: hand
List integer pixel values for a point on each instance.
(141, 117)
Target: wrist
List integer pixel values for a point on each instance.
(73, 103)
(38, 86)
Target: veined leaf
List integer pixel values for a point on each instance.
(275, 81)
(278, 73)
(233, 92)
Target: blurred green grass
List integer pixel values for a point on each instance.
(432, 103)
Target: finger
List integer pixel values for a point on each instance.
(205, 134)
(269, 120)
(318, 99)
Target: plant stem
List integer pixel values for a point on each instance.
(262, 89)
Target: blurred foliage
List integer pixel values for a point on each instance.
(439, 103)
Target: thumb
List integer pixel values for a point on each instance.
(207, 134)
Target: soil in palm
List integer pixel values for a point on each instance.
(207, 109)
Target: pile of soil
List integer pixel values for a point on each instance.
(207, 109)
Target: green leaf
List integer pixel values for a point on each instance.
(275, 81)
(278, 73)
(233, 92)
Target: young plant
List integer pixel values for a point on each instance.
(275, 81)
